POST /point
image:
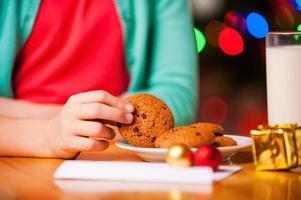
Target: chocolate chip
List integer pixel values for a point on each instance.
(134, 113)
(197, 134)
(143, 116)
(139, 134)
(153, 139)
(218, 133)
(136, 129)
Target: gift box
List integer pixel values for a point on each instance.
(277, 147)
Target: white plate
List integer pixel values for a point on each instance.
(158, 154)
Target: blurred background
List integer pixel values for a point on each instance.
(230, 37)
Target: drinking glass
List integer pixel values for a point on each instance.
(283, 74)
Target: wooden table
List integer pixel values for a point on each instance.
(32, 178)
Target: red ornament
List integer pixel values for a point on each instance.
(208, 156)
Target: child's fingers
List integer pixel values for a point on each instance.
(88, 144)
(93, 129)
(102, 97)
(101, 111)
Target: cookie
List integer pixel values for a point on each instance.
(152, 117)
(223, 141)
(192, 136)
(218, 130)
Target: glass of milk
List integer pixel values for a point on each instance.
(283, 73)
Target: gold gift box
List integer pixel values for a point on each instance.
(277, 147)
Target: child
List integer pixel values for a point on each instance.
(66, 64)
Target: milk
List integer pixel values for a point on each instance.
(283, 72)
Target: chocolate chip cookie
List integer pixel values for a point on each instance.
(152, 117)
(192, 136)
(217, 129)
(223, 141)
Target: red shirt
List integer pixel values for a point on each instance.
(75, 46)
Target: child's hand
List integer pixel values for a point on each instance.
(76, 127)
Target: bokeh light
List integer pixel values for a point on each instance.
(284, 18)
(235, 20)
(200, 40)
(231, 42)
(214, 110)
(257, 25)
(207, 9)
(212, 32)
(297, 4)
(296, 37)
(251, 117)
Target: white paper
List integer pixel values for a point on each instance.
(90, 186)
(140, 172)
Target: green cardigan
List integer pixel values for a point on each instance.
(160, 49)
